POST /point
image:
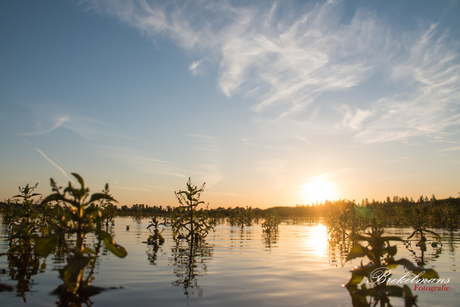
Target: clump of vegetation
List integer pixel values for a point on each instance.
(190, 227)
(82, 218)
(270, 228)
(155, 237)
(108, 208)
(381, 255)
(22, 220)
(186, 221)
(271, 223)
(242, 217)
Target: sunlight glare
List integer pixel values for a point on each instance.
(318, 191)
(318, 240)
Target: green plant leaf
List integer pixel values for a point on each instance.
(411, 235)
(355, 279)
(407, 292)
(98, 196)
(391, 250)
(433, 233)
(45, 230)
(357, 251)
(52, 197)
(87, 250)
(45, 245)
(427, 273)
(392, 239)
(80, 180)
(116, 249)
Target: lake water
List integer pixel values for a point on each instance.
(236, 267)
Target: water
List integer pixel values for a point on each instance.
(236, 267)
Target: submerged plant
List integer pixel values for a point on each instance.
(82, 218)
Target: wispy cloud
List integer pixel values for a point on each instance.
(140, 160)
(96, 130)
(354, 120)
(194, 68)
(322, 177)
(397, 160)
(451, 149)
(292, 58)
(208, 152)
(137, 189)
(289, 57)
(43, 127)
(428, 104)
(49, 117)
(275, 170)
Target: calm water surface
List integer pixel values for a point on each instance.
(302, 266)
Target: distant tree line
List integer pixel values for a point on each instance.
(392, 211)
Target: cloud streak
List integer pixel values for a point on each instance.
(50, 161)
(275, 169)
(208, 163)
(43, 128)
(428, 105)
(288, 58)
(140, 160)
(48, 119)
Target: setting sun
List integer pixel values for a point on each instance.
(318, 191)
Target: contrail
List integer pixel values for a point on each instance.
(50, 161)
(26, 141)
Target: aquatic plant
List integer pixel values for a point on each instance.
(271, 223)
(155, 237)
(270, 228)
(108, 208)
(381, 255)
(242, 217)
(22, 220)
(445, 214)
(186, 221)
(82, 218)
(345, 218)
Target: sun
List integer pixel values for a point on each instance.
(318, 191)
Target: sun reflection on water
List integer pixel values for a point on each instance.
(318, 240)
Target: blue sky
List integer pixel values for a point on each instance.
(259, 99)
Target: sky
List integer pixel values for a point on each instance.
(271, 103)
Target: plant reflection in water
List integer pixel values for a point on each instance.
(270, 229)
(339, 244)
(155, 239)
(190, 259)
